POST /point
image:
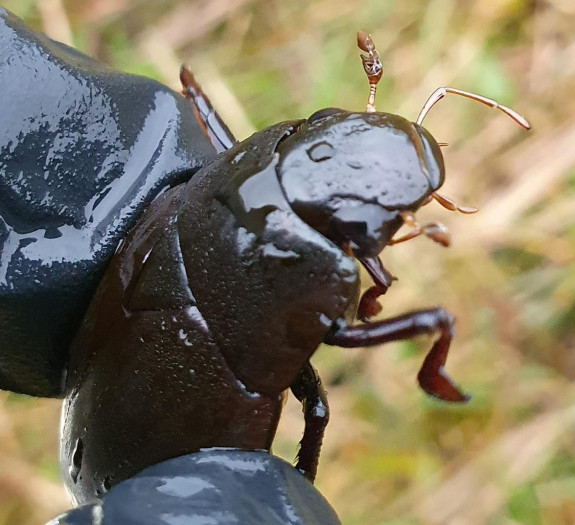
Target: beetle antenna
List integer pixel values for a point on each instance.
(371, 65)
(447, 203)
(439, 93)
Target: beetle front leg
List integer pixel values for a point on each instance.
(308, 389)
(432, 376)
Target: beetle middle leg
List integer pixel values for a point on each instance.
(308, 389)
(432, 376)
(207, 117)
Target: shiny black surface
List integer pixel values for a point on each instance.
(83, 150)
(349, 175)
(396, 162)
(223, 487)
(204, 317)
(212, 305)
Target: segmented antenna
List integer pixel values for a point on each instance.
(374, 71)
(439, 93)
(371, 65)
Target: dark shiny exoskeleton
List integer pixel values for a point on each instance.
(83, 150)
(211, 307)
(213, 304)
(219, 486)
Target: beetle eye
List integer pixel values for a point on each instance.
(322, 113)
(320, 152)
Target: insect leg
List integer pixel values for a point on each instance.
(432, 376)
(211, 123)
(308, 389)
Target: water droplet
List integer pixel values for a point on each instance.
(355, 164)
(238, 157)
(321, 151)
(74, 468)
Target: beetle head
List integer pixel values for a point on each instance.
(351, 175)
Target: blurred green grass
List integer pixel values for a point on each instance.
(392, 456)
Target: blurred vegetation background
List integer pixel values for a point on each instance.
(391, 455)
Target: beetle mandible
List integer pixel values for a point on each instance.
(214, 303)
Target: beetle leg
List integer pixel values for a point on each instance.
(308, 389)
(211, 123)
(432, 377)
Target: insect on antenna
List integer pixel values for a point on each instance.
(371, 65)
(439, 93)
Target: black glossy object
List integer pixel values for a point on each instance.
(223, 487)
(212, 306)
(83, 150)
(350, 175)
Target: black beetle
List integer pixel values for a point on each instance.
(214, 303)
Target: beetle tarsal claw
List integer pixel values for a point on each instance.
(438, 384)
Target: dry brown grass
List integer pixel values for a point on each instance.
(391, 455)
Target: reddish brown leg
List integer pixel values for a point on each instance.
(213, 126)
(308, 389)
(432, 376)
